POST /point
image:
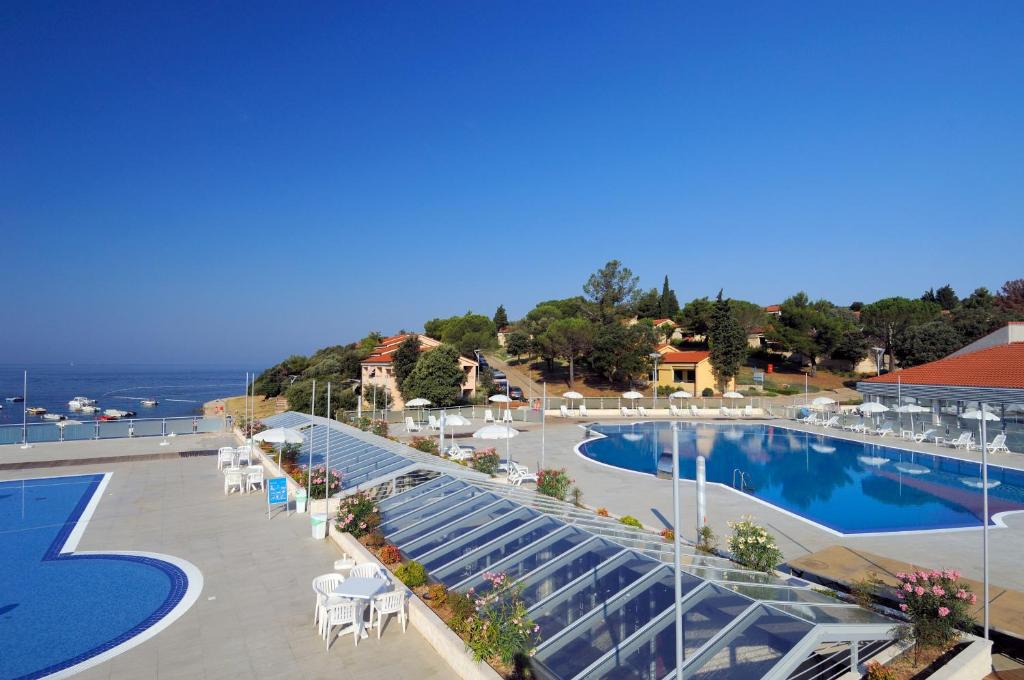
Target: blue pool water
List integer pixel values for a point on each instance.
(58, 608)
(848, 486)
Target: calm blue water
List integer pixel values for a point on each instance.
(181, 390)
(58, 608)
(849, 486)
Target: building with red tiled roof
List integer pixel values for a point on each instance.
(688, 370)
(378, 368)
(989, 370)
(773, 310)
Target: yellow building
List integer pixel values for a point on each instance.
(688, 370)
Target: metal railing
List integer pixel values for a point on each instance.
(33, 433)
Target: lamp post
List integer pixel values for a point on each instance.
(654, 357)
(676, 572)
(879, 351)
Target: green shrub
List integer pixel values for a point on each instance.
(707, 392)
(706, 539)
(358, 514)
(554, 483)
(424, 444)
(752, 546)
(486, 462)
(500, 626)
(938, 605)
(412, 574)
(631, 521)
(461, 606)
(318, 485)
(380, 428)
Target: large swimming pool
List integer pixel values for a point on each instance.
(848, 486)
(62, 610)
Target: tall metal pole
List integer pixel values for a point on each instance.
(309, 468)
(984, 509)
(676, 540)
(24, 412)
(654, 404)
(543, 411)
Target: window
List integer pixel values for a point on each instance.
(683, 375)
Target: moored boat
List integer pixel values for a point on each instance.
(79, 403)
(35, 410)
(149, 402)
(53, 416)
(115, 413)
(90, 409)
(15, 400)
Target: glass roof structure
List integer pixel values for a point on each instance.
(602, 593)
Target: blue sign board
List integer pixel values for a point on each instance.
(277, 492)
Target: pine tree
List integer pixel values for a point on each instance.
(669, 302)
(500, 317)
(728, 342)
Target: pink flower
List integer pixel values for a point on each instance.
(943, 611)
(901, 575)
(899, 595)
(918, 590)
(974, 598)
(907, 587)
(912, 578)
(961, 594)
(937, 591)
(903, 607)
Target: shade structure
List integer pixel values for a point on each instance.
(975, 414)
(872, 407)
(280, 435)
(732, 395)
(418, 401)
(632, 395)
(680, 394)
(495, 432)
(572, 395)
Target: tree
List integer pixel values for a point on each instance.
(696, 315)
(727, 341)
(467, 333)
(500, 317)
(888, 319)
(979, 314)
(517, 343)
(928, 342)
(812, 329)
(437, 376)
(404, 361)
(539, 319)
(621, 352)
(610, 289)
(374, 397)
(668, 302)
(571, 339)
(648, 304)
(1011, 297)
(749, 315)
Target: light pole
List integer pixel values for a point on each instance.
(677, 573)
(879, 351)
(654, 357)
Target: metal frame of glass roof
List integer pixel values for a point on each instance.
(600, 589)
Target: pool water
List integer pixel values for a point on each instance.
(849, 486)
(59, 609)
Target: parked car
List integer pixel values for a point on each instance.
(499, 375)
(515, 393)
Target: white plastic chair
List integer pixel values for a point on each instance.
(388, 603)
(831, 422)
(624, 411)
(583, 411)
(884, 430)
(341, 614)
(519, 474)
(254, 478)
(225, 455)
(563, 409)
(368, 570)
(411, 426)
(506, 417)
(244, 454)
(433, 423)
(999, 444)
(488, 416)
(233, 480)
(748, 410)
(674, 411)
(322, 586)
(643, 411)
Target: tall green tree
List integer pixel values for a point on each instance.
(467, 333)
(928, 342)
(1011, 297)
(437, 376)
(648, 304)
(517, 343)
(621, 353)
(888, 319)
(571, 339)
(749, 315)
(404, 361)
(500, 317)
(727, 341)
(610, 290)
(696, 315)
(813, 329)
(668, 301)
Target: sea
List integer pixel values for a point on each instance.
(181, 390)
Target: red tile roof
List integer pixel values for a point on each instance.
(662, 322)
(773, 308)
(1001, 366)
(690, 357)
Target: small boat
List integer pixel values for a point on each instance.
(80, 402)
(15, 400)
(90, 409)
(149, 402)
(105, 418)
(114, 413)
(35, 410)
(54, 416)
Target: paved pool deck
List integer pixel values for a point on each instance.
(253, 616)
(650, 500)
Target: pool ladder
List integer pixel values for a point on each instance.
(744, 486)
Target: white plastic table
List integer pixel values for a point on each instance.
(363, 589)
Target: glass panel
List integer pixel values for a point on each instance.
(781, 594)
(475, 563)
(405, 497)
(590, 592)
(613, 624)
(379, 471)
(835, 614)
(436, 521)
(753, 650)
(393, 511)
(545, 550)
(430, 509)
(433, 536)
(545, 583)
(143, 428)
(470, 541)
(182, 426)
(742, 576)
(653, 656)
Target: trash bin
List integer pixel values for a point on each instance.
(319, 524)
(300, 501)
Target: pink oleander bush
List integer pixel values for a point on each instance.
(937, 604)
(499, 626)
(358, 514)
(318, 485)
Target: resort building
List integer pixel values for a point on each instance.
(379, 369)
(988, 371)
(688, 370)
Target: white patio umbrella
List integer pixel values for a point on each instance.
(500, 399)
(279, 436)
(632, 395)
(872, 408)
(572, 396)
(732, 395)
(498, 432)
(418, 402)
(911, 409)
(983, 416)
(681, 394)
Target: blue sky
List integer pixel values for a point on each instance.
(238, 181)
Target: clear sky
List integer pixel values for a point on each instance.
(225, 181)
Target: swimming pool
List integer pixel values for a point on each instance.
(62, 610)
(846, 486)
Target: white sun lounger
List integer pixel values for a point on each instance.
(564, 411)
(583, 411)
(411, 426)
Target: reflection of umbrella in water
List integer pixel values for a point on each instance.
(733, 435)
(874, 461)
(632, 437)
(975, 482)
(823, 448)
(912, 469)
